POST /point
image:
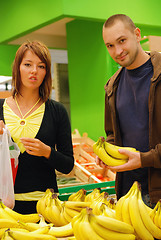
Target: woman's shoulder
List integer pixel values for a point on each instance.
(55, 104)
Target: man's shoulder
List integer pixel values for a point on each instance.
(108, 86)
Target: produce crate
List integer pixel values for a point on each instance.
(65, 192)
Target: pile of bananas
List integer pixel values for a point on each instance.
(109, 153)
(18, 226)
(87, 225)
(132, 210)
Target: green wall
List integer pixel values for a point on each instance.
(7, 54)
(88, 72)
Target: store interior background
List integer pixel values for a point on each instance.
(72, 30)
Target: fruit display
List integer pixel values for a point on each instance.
(93, 215)
(109, 153)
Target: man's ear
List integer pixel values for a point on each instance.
(137, 33)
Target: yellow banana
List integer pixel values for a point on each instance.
(8, 223)
(41, 204)
(93, 195)
(61, 232)
(29, 226)
(78, 196)
(136, 218)
(125, 211)
(152, 228)
(85, 228)
(112, 150)
(62, 220)
(2, 230)
(77, 205)
(159, 218)
(71, 212)
(107, 211)
(5, 215)
(96, 146)
(42, 230)
(95, 205)
(114, 224)
(107, 234)
(76, 226)
(107, 159)
(17, 235)
(52, 211)
(22, 217)
(6, 236)
(67, 216)
(111, 203)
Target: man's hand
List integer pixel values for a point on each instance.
(133, 162)
(36, 147)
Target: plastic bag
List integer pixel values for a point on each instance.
(6, 177)
(14, 153)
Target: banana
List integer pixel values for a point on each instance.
(95, 205)
(42, 230)
(6, 236)
(107, 211)
(86, 229)
(29, 226)
(76, 226)
(107, 159)
(111, 203)
(62, 220)
(107, 234)
(71, 212)
(41, 204)
(61, 232)
(120, 203)
(78, 196)
(125, 211)
(52, 211)
(3, 230)
(17, 235)
(159, 218)
(77, 205)
(152, 228)
(67, 216)
(112, 150)
(8, 223)
(96, 146)
(93, 195)
(136, 219)
(114, 224)
(22, 217)
(4, 214)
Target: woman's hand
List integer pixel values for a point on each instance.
(36, 147)
(1, 126)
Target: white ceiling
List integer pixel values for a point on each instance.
(53, 35)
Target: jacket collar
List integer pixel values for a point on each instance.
(156, 62)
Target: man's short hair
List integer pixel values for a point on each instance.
(120, 17)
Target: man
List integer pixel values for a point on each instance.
(132, 108)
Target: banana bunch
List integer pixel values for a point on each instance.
(132, 210)
(95, 205)
(86, 225)
(90, 197)
(38, 234)
(107, 211)
(155, 214)
(71, 209)
(42, 202)
(109, 153)
(78, 196)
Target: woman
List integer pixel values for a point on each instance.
(40, 126)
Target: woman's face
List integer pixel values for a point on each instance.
(32, 71)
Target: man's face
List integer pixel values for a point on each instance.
(122, 44)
